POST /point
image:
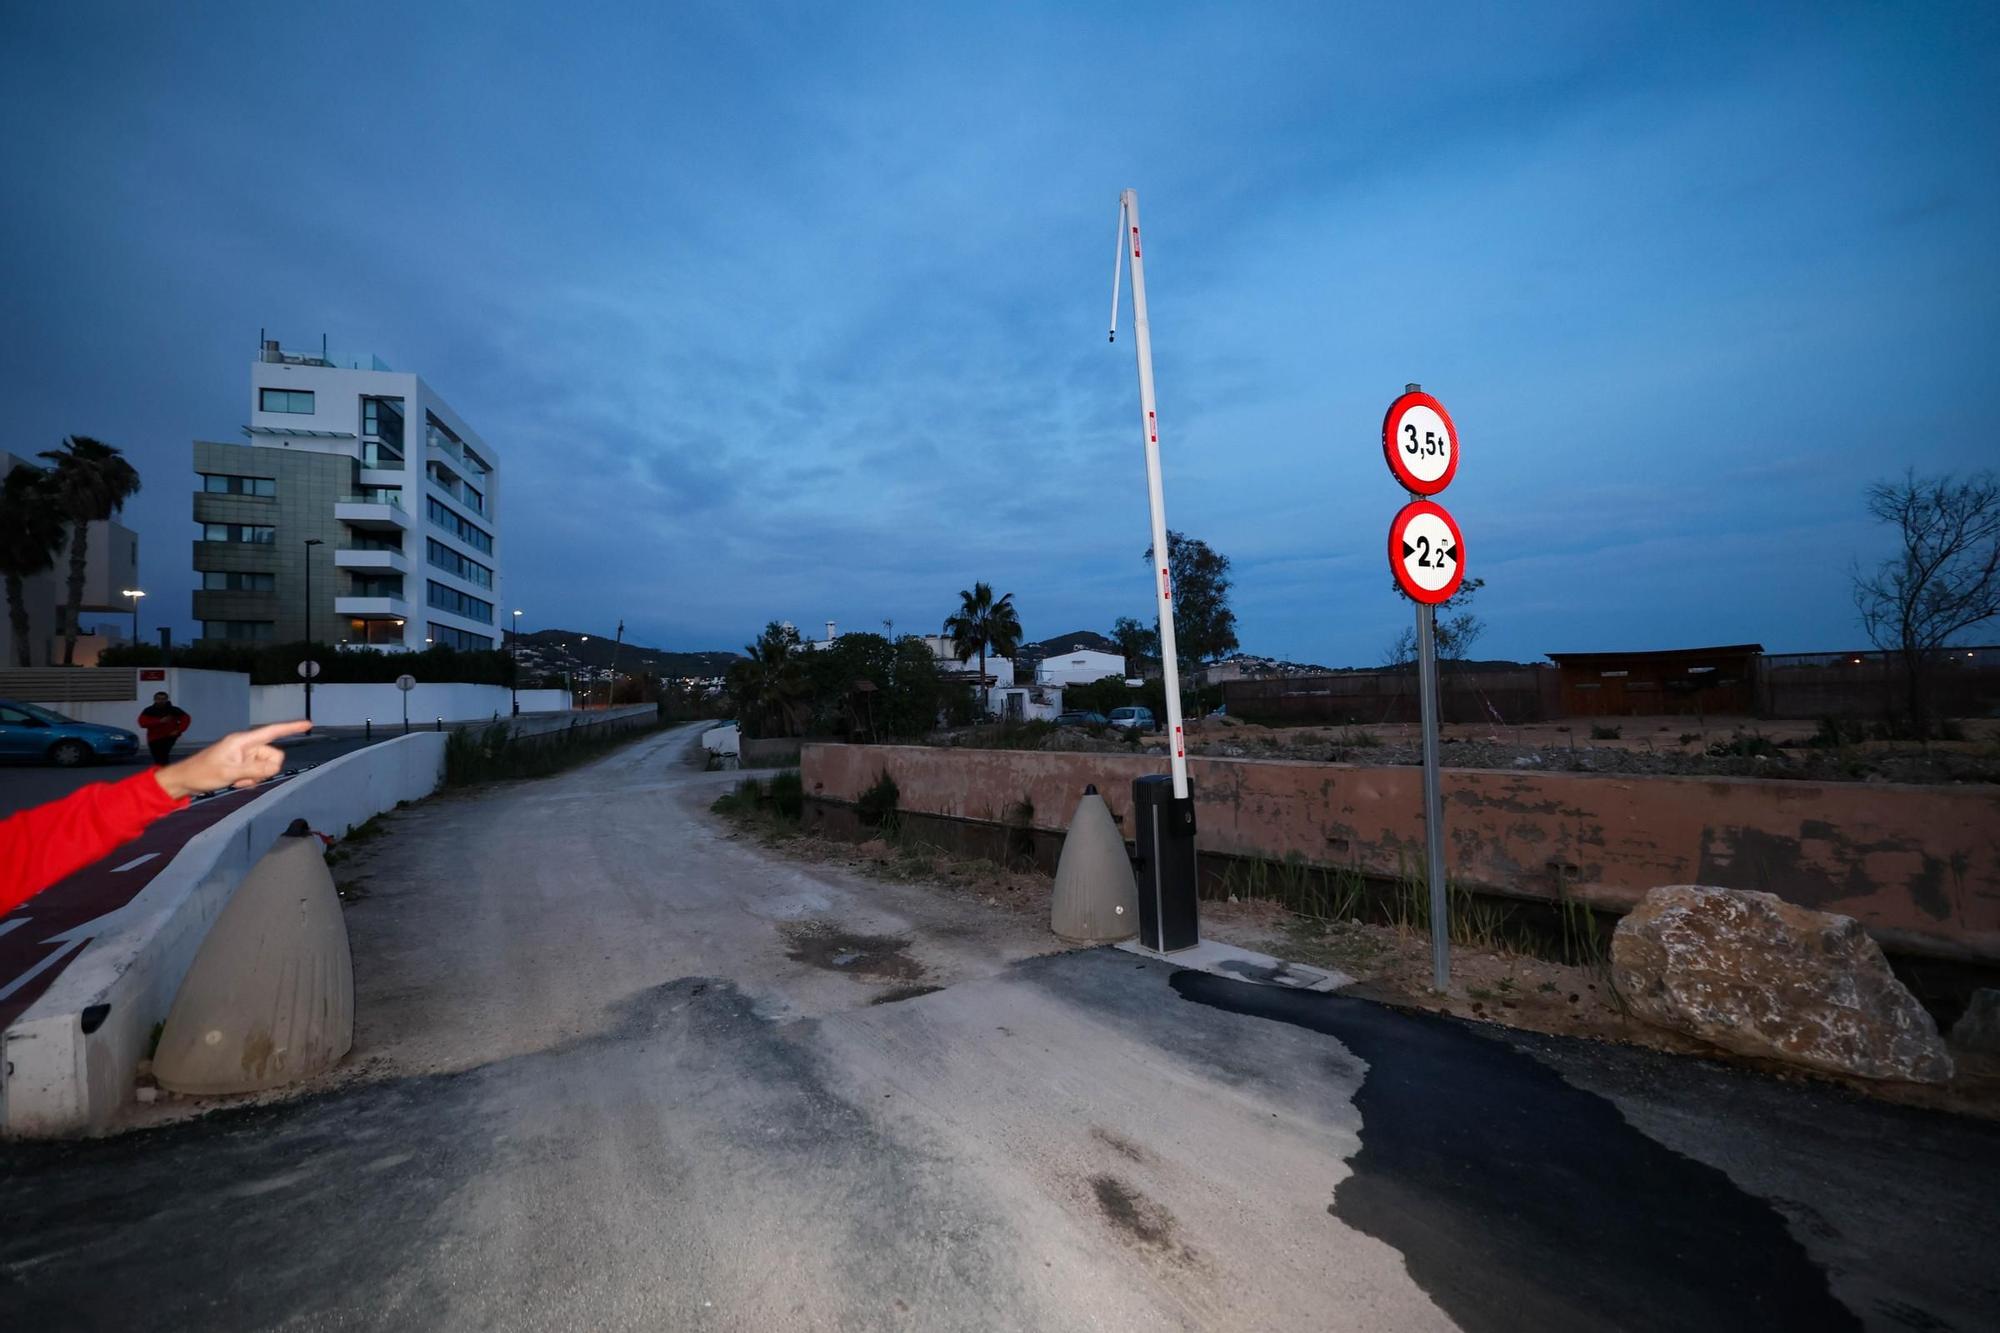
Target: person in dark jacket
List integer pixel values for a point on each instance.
(163, 724)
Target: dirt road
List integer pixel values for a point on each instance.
(618, 1070)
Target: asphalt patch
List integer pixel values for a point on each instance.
(823, 944)
(1132, 1213)
(1521, 1202)
(896, 993)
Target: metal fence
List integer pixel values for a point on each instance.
(71, 685)
(1374, 698)
(1961, 682)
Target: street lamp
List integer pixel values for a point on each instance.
(135, 594)
(588, 686)
(514, 676)
(310, 543)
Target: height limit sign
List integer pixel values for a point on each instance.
(1427, 556)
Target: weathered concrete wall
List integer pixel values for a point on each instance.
(769, 752)
(1919, 866)
(60, 1074)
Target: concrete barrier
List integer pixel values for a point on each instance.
(769, 751)
(1919, 866)
(68, 1063)
(350, 705)
(596, 721)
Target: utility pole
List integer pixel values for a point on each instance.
(514, 675)
(135, 594)
(611, 690)
(310, 542)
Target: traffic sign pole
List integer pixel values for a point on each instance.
(1427, 688)
(1427, 557)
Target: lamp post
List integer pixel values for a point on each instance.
(135, 594)
(515, 675)
(310, 542)
(588, 684)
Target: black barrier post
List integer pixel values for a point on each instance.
(368, 729)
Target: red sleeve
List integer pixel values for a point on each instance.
(41, 846)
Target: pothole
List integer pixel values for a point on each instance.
(876, 957)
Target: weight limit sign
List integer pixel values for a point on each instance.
(1420, 443)
(1426, 552)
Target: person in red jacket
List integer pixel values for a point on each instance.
(163, 724)
(40, 846)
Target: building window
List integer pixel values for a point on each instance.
(377, 585)
(459, 603)
(474, 500)
(374, 631)
(215, 483)
(360, 540)
(231, 580)
(254, 533)
(464, 566)
(238, 629)
(383, 419)
(459, 639)
(285, 400)
(462, 528)
(382, 433)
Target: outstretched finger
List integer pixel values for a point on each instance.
(266, 734)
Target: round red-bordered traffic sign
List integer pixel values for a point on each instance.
(1420, 443)
(1426, 552)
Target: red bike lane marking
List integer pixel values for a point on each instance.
(43, 936)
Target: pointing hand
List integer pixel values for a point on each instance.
(240, 760)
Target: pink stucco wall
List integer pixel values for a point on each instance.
(1920, 866)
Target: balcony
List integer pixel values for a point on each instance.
(371, 608)
(376, 514)
(372, 561)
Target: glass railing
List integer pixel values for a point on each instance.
(381, 456)
(374, 498)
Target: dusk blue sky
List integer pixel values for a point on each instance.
(798, 312)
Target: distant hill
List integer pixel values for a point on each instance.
(1031, 655)
(555, 650)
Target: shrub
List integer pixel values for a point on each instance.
(1744, 746)
(1835, 732)
(876, 807)
(1603, 733)
(788, 795)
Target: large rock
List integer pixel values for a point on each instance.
(1757, 975)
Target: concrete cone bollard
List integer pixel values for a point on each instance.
(270, 997)
(1096, 897)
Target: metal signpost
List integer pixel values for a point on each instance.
(1163, 808)
(406, 683)
(307, 670)
(1427, 557)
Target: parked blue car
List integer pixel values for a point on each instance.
(29, 731)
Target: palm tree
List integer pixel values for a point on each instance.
(983, 624)
(31, 532)
(771, 681)
(92, 481)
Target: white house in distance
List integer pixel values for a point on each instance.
(1080, 666)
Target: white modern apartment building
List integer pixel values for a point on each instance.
(360, 510)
